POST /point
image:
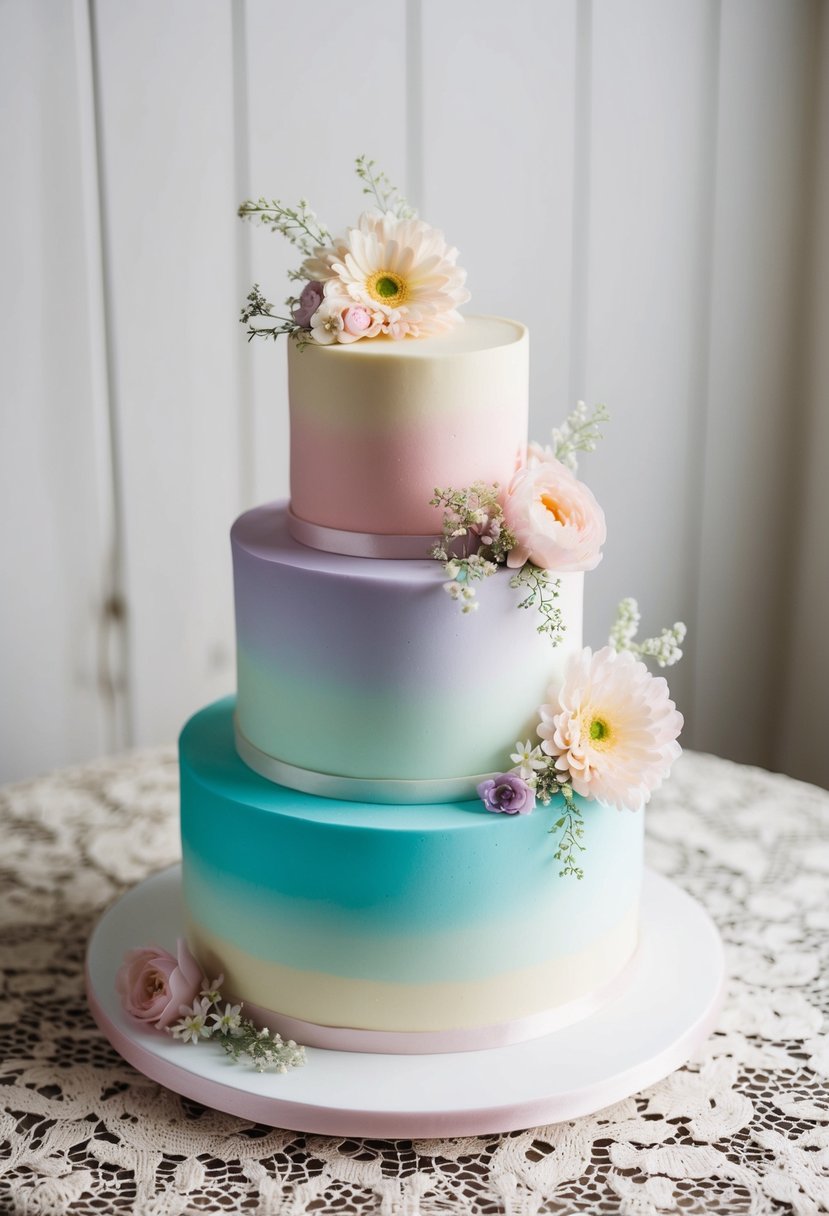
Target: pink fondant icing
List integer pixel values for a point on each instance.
(347, 477)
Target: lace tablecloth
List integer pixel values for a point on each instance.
(743, 1129)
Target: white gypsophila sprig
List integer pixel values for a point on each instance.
(377, 185)
(578, 433)
(474, 539)
(299, 225)
(665, 647)
(240, 1038)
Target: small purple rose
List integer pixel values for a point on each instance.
(507, 793)
(309, 302)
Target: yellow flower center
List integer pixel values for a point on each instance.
(599, 731)
(553, 507)
(387, 287)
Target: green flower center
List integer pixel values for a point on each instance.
(599, 730)
(387, 287)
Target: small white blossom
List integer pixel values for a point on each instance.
(528, 760)
(229, 1022)
(212, 991)
(192, 1025)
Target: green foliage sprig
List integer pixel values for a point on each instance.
(550, 784)
(665, 648)
(267, 1052)
(542, 592)
(578, 433)
(299, 224)
(257, 306)
(378, 187)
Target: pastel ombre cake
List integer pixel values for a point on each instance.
(375, 426)
(411, 830)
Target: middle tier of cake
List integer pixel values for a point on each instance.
(359, 678)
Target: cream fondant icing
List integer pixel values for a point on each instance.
(378, 425)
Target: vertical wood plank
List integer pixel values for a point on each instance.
(167, 104)
(498, 165)
(757, 315)
(56, 511)
(303, 138)
(653, 68)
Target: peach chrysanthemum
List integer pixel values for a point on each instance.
(612, 728)
(400, 269)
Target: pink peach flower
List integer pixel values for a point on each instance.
(556, 520)
(612, 728)
(154, 985)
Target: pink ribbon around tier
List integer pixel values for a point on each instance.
(358, 544)
(433, 1042)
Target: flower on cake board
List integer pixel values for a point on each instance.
(169, 992)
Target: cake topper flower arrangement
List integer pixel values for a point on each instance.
(168, 992)
(390, 276)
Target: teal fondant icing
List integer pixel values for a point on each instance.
(405, 893)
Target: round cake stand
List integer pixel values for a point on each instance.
(665, 1011)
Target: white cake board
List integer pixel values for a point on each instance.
(667, 1009)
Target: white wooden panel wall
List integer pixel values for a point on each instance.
(631, 178)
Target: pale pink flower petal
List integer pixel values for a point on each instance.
(558, 524)
(612, 728)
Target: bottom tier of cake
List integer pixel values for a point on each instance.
(379, 927)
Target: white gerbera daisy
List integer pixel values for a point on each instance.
(401, 269)
(612, 728)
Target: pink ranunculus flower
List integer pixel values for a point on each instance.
(153, 984)
(556, 520)
(612, 728)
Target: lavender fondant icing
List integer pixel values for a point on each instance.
(415, 920)
(363, 669)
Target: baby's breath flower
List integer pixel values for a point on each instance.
(578, 433)
(666, 647)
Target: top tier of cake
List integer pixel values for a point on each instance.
(377, 425)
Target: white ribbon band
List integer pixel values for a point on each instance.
(356, 789)
(358, 544)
